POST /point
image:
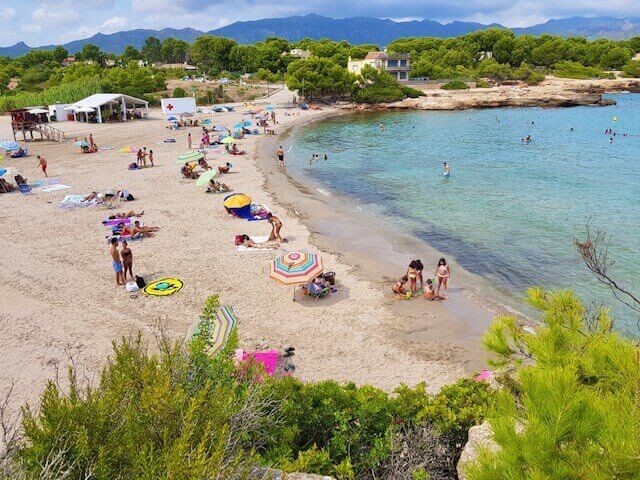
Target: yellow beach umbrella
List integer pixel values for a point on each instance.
(237, 200)
(228, 140)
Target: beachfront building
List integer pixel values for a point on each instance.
(32, 121)
(396, 64)
(109, 106)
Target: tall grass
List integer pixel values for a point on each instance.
(65, 93)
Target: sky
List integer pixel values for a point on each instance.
(38, 22)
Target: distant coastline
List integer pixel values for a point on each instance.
(553, 92)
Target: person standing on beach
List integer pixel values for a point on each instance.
(280, 154)
(139, 158)
(117, 264)
(414, 273)
(276, 225)
(91, 144)
(144, 156)
(43, 165)
(443, 273)
(127, 261)
(189, 141)
(151, 157)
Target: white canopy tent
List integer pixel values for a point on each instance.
(98, 100)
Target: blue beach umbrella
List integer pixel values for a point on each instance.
(206, 121)
(81, 143)
(269, 108)
(9, 145)
(171, 119)
(2, 171)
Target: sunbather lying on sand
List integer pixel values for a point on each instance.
(217, 187)
(143, 231)
(129, 214)
(247, 242)
(203, 164)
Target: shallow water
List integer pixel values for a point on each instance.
(509, 211)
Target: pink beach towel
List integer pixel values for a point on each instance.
(269, 358)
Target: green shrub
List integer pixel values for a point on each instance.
(455, 85)
(480, 83)
(568, 69)
(65, 93)
(631, 69)
(535, 78)
(411, 92)
(572, 411)
(182, 413)
(179, 92)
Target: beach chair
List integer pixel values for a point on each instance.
(24, 188)
(315, 291)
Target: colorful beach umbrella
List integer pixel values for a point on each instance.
(9, 145)
(206, 121)
(222, 325)
(295, 268)
(190, 156)
(81, 143)
(268, 108)
(228, 140)
(206, 177)
(128, 150)
(236, 200)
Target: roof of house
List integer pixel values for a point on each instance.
(376, 55)
(99, 99)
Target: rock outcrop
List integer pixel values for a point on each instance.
(479, 436)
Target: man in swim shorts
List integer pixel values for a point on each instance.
(280, 154)
(117, 264)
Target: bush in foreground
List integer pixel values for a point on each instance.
(183, 414)
(455, 85)
(378, 86)
(572, 408)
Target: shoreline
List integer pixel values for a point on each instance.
(378, 255)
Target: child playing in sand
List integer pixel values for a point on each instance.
(43, 165)
(400, 289)
(429, 292)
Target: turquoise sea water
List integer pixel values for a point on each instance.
(509, 211)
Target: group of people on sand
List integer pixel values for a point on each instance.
(274, 240)
(142, 156)
(89, 146)
(122, 261)
(431, 288)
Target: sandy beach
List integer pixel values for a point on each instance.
(59, 295)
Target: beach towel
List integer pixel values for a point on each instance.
(54, 188)
(71, 202)
(242, 248)
(106, 147)
(163, 288)
(268, 358)
(115, 221)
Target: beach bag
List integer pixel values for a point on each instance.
(130, 198)
(140, 282)
(132, 287)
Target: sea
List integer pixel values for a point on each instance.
(510, 210)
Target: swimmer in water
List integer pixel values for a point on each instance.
(447, 169)
(381, 127)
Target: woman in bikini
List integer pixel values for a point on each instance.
(443, 273)
(414, 273)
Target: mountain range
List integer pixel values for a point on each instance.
(356, 30)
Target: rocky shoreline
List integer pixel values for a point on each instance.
(552, 93)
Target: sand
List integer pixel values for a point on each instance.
(59, 297)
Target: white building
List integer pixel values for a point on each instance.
(396, 64)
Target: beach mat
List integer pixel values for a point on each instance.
(163, 287)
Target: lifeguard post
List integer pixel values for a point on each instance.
(24, 122)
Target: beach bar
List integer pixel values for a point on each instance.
(115, 107)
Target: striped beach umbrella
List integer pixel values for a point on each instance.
(223, 322)
(296, 268)
(190, 156)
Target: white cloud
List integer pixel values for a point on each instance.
(61, 13)
(8, 12)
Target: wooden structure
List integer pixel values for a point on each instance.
(26, 123)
